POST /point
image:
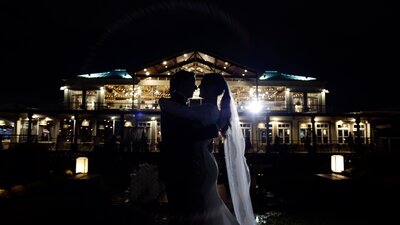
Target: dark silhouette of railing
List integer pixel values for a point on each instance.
(84, 143)
(155, 106)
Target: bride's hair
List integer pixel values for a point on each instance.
(222, 88)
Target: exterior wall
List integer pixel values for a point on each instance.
(323, 101)
(290, 124)
(145, 93)
(106, 129)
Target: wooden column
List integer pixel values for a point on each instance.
(267, 131)
(314, 135)
(29, 135)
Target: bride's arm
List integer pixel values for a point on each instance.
(201, 113)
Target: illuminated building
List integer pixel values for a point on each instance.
(119, 108)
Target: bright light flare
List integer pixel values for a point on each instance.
(254, 107)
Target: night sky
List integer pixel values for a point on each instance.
(353, 46)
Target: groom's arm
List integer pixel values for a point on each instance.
(196, 134)
(207, 132)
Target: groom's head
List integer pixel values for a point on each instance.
(183, 82)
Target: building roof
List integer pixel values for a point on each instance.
(116, 73)
(278, 76)
(198, 62)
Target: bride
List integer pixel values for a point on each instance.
(212, 209)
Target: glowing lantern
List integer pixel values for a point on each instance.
(337, 163)
(42, 123)
(128, 124)
(82, 165)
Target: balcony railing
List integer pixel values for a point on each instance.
(242, 107)
(82, 143)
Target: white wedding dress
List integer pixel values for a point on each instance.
(204, 204)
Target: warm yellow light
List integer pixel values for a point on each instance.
(85, 123)
(42, 123)
(337, 163)
(82, 164)
(261, 126)
(128, 124)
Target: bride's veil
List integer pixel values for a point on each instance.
(237, 169)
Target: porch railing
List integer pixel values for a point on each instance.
(115, 143)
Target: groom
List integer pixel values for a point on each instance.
(178, 137)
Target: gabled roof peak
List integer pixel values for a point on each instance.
(198, 62)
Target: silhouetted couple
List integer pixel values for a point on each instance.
(188, 168)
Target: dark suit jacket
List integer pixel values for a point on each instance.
(178, 135)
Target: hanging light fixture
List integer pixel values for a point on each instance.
(128, 124)
(261, 126)
(85, 123)
(42, 122)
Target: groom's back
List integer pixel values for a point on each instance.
(176, 146)
(175, 132)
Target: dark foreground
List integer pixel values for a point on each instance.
(285, 190)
